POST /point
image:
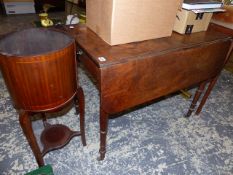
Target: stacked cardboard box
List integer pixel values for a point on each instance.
(195, 15)
(189, 22)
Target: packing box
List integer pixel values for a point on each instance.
(189, 22)
(125, 21)
(19, 7)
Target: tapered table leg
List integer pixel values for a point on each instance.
(26, 126)
(103, 133)
(206, 95)
(196, 98)
(80, 108)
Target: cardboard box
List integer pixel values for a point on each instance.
(125, 21)
(189, 22)
(19, 7)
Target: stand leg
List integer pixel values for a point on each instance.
(206, 95)
(195, 99)
(80, 108)
(26, 126)
(103, 133)
(44, 119)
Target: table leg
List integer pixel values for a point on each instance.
(80, 108)
(206, 95)
(212, 83)
(26, 126)
(196, 98)
(103, 133)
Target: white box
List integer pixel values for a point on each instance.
(19, 7)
